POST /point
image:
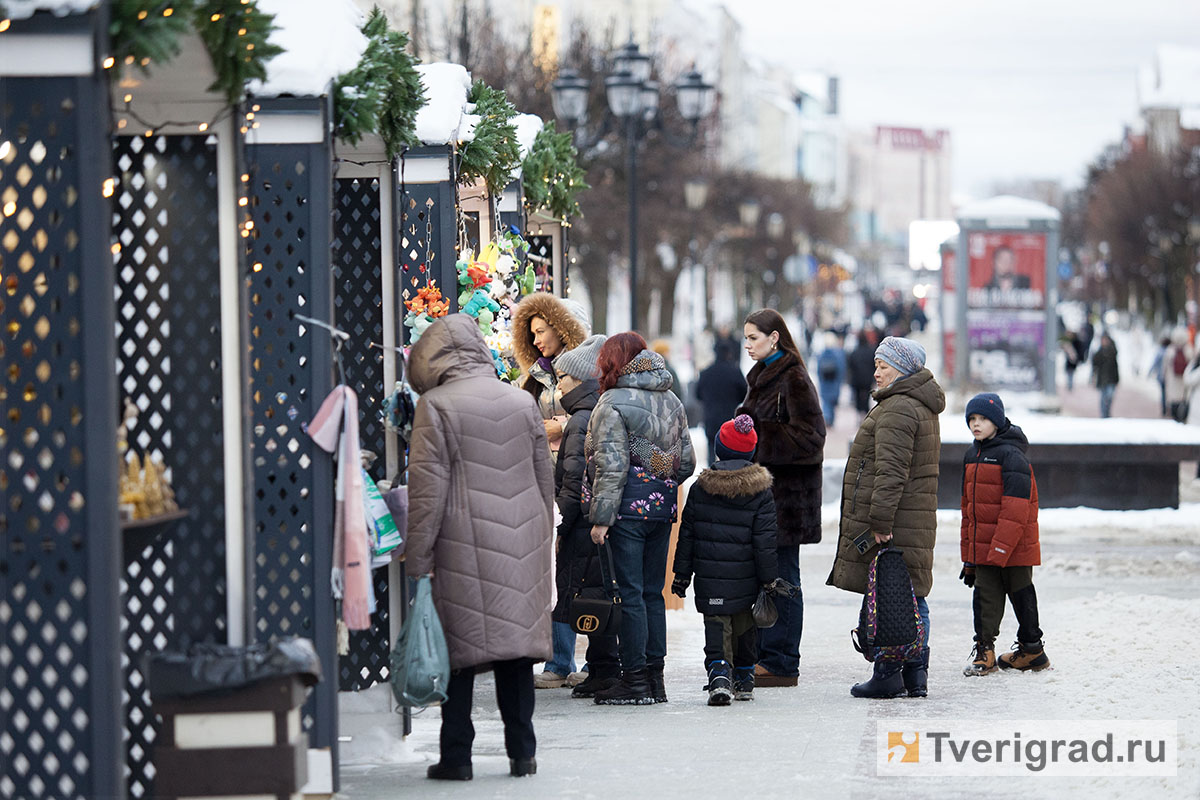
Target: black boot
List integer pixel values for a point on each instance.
(916, 674)
(743, 683)
(520, 767)
(597, 681)
(720, 687)
(658, 687)
(632, 690)
(446, 772)
(886, 682)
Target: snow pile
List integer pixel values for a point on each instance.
(24, 9)
(321, 39)
(1055, 429)
(443, 118)
(1005, 209)
(528, 126)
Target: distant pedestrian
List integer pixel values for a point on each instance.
(1175, 364)
(1072, 352)
(719, 389)
(663, 348)
(1105, 373)
(1158, 372)
(831, 370)
(727, 540)
(1191, 379)
(999, 538)
(860, 371)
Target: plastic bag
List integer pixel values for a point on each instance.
(384, 534)
(208, 667)
(764, 611)
(420, 661)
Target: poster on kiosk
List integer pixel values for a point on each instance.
(1008, 308)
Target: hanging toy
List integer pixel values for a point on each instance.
(527, 281)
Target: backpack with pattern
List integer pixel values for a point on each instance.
(889, 625)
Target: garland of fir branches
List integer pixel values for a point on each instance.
(235, 33)
(494, 154)
(383, 93)
(551, 175)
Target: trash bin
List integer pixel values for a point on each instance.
(231, 719)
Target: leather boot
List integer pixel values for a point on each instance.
(658, 686)
(632, 690)
(1025, 656)
(916, 674)
(886, 682)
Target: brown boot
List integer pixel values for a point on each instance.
(983, 660)
(763, 677)
(1026, 656)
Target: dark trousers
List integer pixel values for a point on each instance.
(779, 645)
(639, 552)
(732, 638)
(514, 696)
(603, 657)
(992, 585)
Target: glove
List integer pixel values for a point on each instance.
(967, 575)
(781, 588)
(679, 585)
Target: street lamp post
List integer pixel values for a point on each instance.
(633, 99)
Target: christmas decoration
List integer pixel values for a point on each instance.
(494, 153)
(551, 175)
(383, 93)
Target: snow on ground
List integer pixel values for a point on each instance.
(1118, 605)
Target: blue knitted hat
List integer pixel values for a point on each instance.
(989, 406)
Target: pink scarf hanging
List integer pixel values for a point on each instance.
(351, 556)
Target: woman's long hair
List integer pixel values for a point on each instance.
(769, 321)
(615, 353)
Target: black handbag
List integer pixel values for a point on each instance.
(596, 610)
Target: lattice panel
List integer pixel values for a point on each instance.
(165, 221)
(48, 633)
(541, 252)
(285, 273)
(358, 304)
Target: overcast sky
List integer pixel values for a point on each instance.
(1027, 88)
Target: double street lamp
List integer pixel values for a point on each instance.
(633, 98)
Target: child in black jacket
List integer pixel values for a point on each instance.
(576, 562)
(727, 540)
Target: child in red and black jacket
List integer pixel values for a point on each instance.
(1000, 537)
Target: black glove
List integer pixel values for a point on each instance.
(967, 575)
(679, 585)
(781, 588)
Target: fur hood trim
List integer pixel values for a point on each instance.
(746, 481)
(550, 308)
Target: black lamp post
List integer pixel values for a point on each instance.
(633, 99)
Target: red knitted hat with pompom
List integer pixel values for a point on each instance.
(738, 435)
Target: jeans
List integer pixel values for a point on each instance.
(639, 552)
(923, 610)
(1106, 398)
(514, 696)
(779, 645)
(563, 660)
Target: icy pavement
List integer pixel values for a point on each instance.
(1118, 606)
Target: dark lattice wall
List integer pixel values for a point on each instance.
(59, 703)
(290, 372)
(165, 221)
(358, 301)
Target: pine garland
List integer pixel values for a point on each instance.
(551, 174)
(235, 33)
(383, 93)
(494, 154)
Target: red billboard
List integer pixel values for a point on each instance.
(1006, 270)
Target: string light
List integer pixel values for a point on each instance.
(107, 188)
(109, 62)
(4, 23)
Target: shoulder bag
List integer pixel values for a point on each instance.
(596, 610)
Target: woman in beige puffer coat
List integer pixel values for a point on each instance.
(481, 494)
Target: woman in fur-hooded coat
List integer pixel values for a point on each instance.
(568, 325)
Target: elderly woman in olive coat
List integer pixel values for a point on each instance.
(890, 489)
(481, 494)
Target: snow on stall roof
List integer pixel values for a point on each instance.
(442, 119)
(1055, 429)
(1007, 207)
(24, 9)
(528, 126)
(321, 39)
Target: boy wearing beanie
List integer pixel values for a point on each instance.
(575, 565)
(1000, 537)
(727, 540)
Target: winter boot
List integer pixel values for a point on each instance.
(743, 683)
(596, 681)
(720, 688)
(886, 682)
(633, 689)
(658, 686)
(983, 660)
(1026, 656)
(447, 772)
(916, 674)
(522, 767)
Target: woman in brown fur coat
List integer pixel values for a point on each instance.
(791, 444)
